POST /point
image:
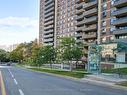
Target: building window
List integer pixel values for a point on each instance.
(104, 6)
(104, 14)
(112, 20)
(112, 28)
(104, 30)
(103, 23)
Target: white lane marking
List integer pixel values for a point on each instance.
(11, 73)
(21, 92)
(15, 81)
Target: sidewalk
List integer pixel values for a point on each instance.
(109, 79)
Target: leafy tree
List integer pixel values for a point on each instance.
(2, 55)
(46, 55)
(17, 54)
(70, 50)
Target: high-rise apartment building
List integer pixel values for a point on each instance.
(120, 20)
(113, 21)
(65, 18)
(47, 22)
(87, 17)
(89, 21)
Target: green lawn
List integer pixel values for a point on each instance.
(123, 83)
(60, 72)
(120, 70)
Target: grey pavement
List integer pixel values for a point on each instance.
(25, 82)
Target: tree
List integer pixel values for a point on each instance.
(46, 55)
(70, 50)
(17, 54)
(77, 54)
(3, 54)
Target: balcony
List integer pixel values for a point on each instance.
(120, 3)
(48, 44)
(49, 31)
(79, 17)
(86, 43)
(49, 14)
(91, 20)
(49, 10)
(120, 31)
(78, 1)
(48, 27)
(90, 28)
(120, 12)
(48, 36)
(48, 40)
(48, 23)
(79, 28)
(78, 35)
(90, 12)
(120, 22)
(48, 2)
(90, 5)
(49, 6)
(80, 23)
(79, 6)
(89, 36)
(79, 41)
(49, 18)
(79, 11)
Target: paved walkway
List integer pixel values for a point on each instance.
(109, 79)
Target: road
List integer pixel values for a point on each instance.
(19, 81)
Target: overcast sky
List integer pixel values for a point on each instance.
(18, 21)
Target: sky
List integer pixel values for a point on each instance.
(18, 21)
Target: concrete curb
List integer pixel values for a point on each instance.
(106, 84)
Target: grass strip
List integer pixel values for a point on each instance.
(61, 72)
(123, 83)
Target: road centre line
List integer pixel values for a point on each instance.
(21, 92)
(11, 73)
(15, 81)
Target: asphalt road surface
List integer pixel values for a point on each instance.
(19, 81)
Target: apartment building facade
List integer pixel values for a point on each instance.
(89, 21)
(47, 22)
(66, 23)
(120, 23)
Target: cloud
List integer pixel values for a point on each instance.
(18, 22)
(18, 29)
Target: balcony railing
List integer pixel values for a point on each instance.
(91, 20)
(120, 12)
(121, 21)
(49, 31)
(87, 36)
(80, 17)
(48, 36)
(48, 40)
(120, 3)
(79, 5)
(90, 4)
(90, 28)
(90, 12)
(79, 11)
(120, 31)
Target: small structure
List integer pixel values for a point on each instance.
(94, 59)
